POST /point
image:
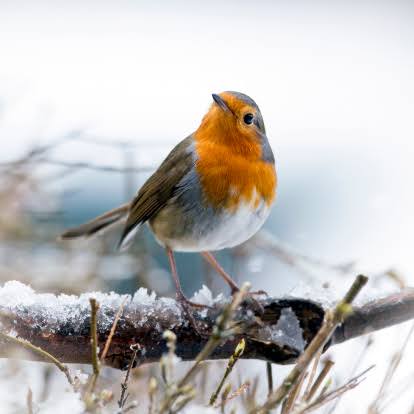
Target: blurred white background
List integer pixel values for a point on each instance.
(334, 81)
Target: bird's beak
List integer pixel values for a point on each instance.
(219, 101)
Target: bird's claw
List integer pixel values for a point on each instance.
(251, 302)
(186, 305)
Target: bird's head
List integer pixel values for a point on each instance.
(238, 111)
(233, 119)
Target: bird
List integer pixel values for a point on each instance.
(213, 191)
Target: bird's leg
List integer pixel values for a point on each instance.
(216, 266)
(181, 298)
(233, 285)
(178, 289)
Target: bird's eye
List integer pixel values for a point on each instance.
(248, 119)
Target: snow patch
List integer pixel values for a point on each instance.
(68, 402)
(205, 297)
(324, 295)
(286, 332)
(142, 297)
(55, 311)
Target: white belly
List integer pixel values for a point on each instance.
(229, 230)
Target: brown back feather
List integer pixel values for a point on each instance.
(160, 187)
(99, 223)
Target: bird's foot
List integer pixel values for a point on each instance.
(236, 289)
(258, 293)
(251, 302)
(188, 306)
(184, 299)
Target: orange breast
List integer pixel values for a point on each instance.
(232, 174)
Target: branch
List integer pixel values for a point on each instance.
(60, 325)
(377, 314)
(87, 166)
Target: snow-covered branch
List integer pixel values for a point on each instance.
(60, 325)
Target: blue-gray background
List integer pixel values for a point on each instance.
(334, 81)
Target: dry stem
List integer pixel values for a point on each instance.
(290, 401)
(332, 320)
(313, 371)
(124, 386)
(112, 332)
(269, 375)
(232, 361)
(374, 408)
(29, 401)
(94, 342)
(216, 337)
(324, 398)
(42, 353)
(321, 377)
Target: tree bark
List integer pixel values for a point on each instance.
(278, 335)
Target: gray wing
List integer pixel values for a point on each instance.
(159, 188)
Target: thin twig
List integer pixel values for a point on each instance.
(219, 331)
(396, 393)
(249, 398)
(392, 368)
(112, 332)
(324, 398)
(286, 254)
(187, 397)
(94, 342)
(124, 386)
(231, 395)
(269, 375)
(313, 372)
(40, 150)
(45, 355)
(167, 360)
(217, 334)
(94, 167)
(120, 142)
(325, 388)
(320, 378)
(358, 362)
(224, 398)
(332, 320)
(152, 389)
(290, 401)
(127, 408)
(29, 401)
(232, 361)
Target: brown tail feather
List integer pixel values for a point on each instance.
(99, 223)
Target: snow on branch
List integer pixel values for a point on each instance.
(60, 325)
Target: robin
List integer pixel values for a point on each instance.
(214, 190)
